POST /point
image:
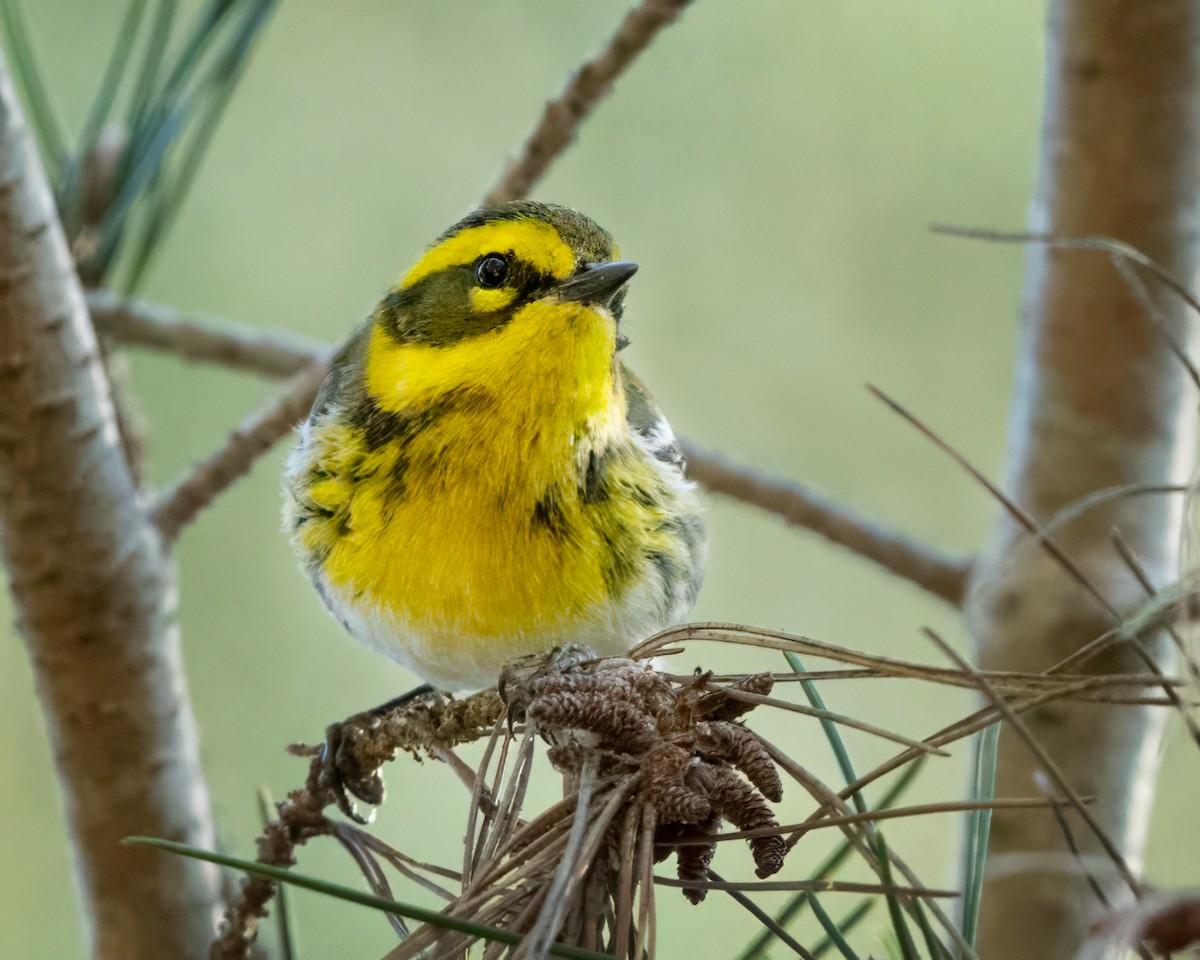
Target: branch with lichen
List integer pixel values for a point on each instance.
(652, 764)
(649, 766)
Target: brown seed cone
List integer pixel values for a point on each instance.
(741, 805)
(718, 705)
(621, 725)
(693, 861)
(741, 747)
(664, 768)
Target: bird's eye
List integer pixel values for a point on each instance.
(491, 271)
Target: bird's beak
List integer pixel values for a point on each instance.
(597, 283)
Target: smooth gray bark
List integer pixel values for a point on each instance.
(93, 591)
(1099, 401)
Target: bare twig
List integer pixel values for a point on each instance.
(892, 813)
(1018, 514)
(419, 725)
(301, 817)
(1010, 682)
(1114, 248)
(819, 886)
(585, 88)
(181, 503)
(943, 576)
(142, 324)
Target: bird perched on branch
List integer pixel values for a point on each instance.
(480, 477)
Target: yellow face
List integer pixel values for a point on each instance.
(500, 281)
(489, 265)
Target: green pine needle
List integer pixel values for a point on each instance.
(41, 114)
(830, 729)
(408, 911)
(848, 923)
(757, 947)
(833, 931)
(979, 822)
(904, 940)
(842, 755)
(213, 93)
(70, 202)
(176, 96)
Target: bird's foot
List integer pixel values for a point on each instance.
(338, 770)
(517, 679)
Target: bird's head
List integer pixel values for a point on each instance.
(497, 264)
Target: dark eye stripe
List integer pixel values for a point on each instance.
(436, 309)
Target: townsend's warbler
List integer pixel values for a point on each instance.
(480, 477)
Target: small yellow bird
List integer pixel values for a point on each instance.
(481, 477)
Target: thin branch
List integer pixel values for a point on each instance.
(874, 816)
(1114, 248)
(141, 324)
(943, 576)
(1018, 514)
(820, 886)
(585, 88)
(180, 504)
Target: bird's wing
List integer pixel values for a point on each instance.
(343, 383)
(648, 423)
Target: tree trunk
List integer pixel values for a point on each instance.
(1099, 401)
(93, 593)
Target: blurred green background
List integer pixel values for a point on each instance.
(773, 166)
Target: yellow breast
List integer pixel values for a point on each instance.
(461, 501)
